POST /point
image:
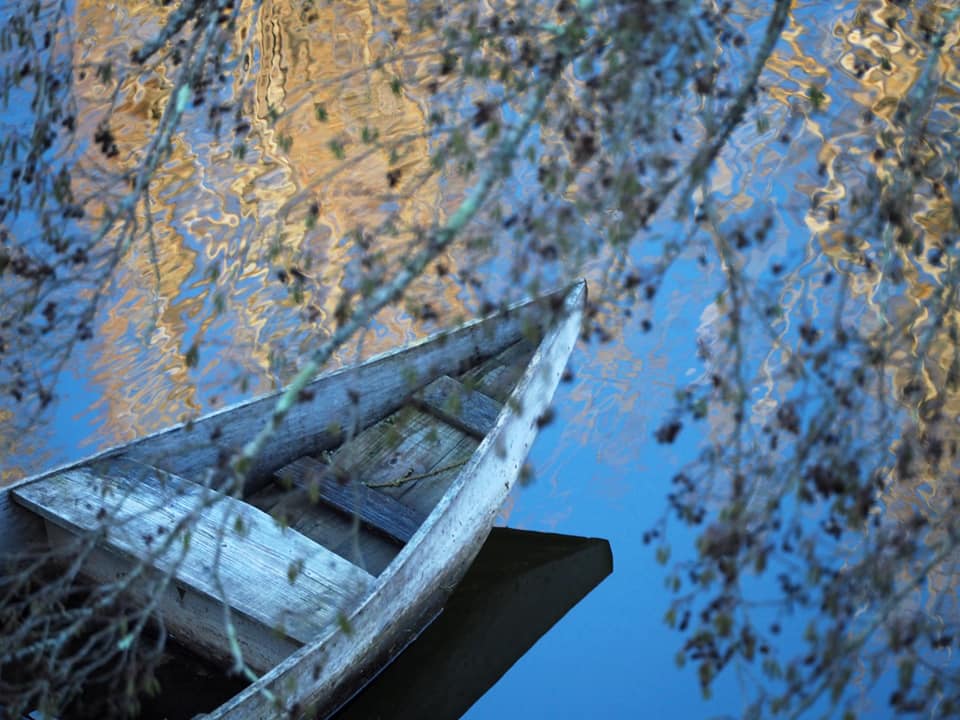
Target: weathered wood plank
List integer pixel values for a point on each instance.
(409, 443)
(208, 536)
(195, 620)
(498, 375)
(423, 493)
(349, 538)
(416, 465)
(294, 507)
(270, 499)
(468, 410)
(376, 509)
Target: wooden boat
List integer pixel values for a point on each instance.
(354, 525)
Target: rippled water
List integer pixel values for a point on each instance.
(216, 273)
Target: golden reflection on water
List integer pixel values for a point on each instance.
(224, 227)
(880, 64)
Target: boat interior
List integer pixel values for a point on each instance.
(365, 499)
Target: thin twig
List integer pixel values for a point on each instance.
(399, 482)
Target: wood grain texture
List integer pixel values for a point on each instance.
(349, 538)
(465, 409)
(316, 679)
(195, 620)
(271, 577)
(380, 511)
(498, 375)
(425, 493)
(408, 443)
(294, 507)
